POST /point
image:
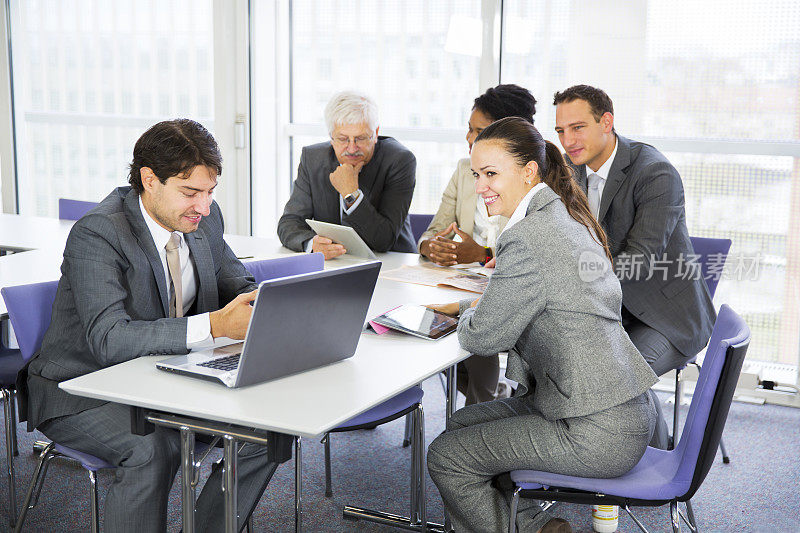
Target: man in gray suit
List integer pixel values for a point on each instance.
(358, 179)
(637, 196)
(146, 271)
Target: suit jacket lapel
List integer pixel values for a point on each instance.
(331, 200)
(616, 175)
(207, 295)
(139, 229)
(368, 174)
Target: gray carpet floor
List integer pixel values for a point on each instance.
(759, 491)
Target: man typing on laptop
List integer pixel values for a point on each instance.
(146, 271)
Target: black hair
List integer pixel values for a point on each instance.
(506, 100)
(173, 148)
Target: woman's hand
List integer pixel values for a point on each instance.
(447, 309)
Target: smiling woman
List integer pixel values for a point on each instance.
(560, 331)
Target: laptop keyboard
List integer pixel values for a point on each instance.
(229, 362)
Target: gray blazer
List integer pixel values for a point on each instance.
(381, 219)
(112, 301)
(565, 338)
(642, 211)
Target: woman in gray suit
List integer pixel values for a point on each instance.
(462, 213)
(553, 302)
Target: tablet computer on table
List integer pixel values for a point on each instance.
(418, 320)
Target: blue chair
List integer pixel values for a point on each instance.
(285, 266)
(712, 256)
(419, 223)
(73, 209)
(29, 309)
(408, 403)
(662, 476)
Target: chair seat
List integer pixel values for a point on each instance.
(394, 405)
(89, 462)
(11, 362)
(653, 478)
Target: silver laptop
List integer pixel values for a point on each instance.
(298, 323)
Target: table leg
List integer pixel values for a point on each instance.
(419, 514)
(417, 521)
(298, 485)
(187, 478)
(450, 402)
(230, 465)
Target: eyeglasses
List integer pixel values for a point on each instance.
(361, 140)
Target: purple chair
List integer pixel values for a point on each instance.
(712, 256)
(73, 209)
(285, 266)
(662, 476)
(409, 404)
(419, 223)
(29, 309)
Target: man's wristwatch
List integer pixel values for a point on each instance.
(351, 198)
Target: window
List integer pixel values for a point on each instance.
(384, 49)
(715, 89)
(89, 77)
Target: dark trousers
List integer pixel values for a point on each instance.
(146, 467)
(662, 357)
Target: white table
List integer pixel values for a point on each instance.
(304, 405)
(22, 232)
(382, 367)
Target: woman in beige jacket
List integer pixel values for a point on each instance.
(462, 230)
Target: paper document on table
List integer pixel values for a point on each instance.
(467, 282)
(434, 276)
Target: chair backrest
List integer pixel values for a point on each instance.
(419, 223)
(73, 209)
(711, 399)
(713, 254)
(29, 309)
(285, 266)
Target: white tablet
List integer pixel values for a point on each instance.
(344, 235)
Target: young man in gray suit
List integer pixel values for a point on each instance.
(146, 271)
(637, 196)
(358, 179)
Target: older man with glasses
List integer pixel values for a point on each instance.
(358, 179)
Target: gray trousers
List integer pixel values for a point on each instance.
(146, 467)
(662, 357)
(477, 377)
(492, 438)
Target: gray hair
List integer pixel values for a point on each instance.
(349, 107)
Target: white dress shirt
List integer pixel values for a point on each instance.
(198, 328)
(522, 208)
